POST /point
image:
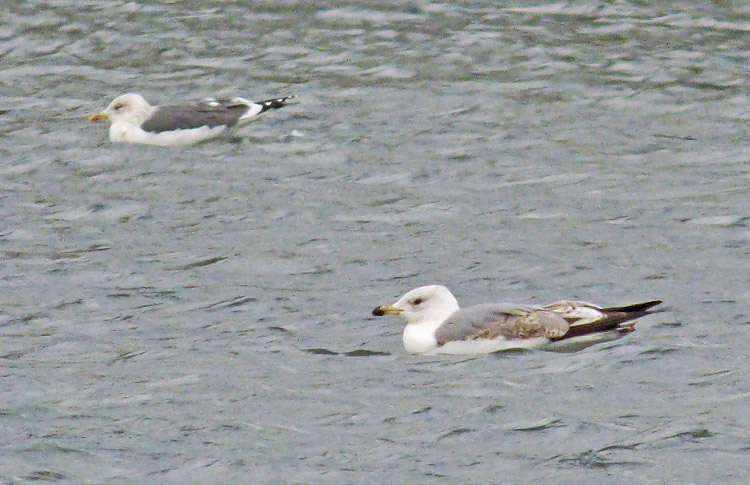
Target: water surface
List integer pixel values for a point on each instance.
(202, 315)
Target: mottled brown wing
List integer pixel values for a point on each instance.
(504, 320)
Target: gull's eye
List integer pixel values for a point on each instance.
(417, 301)
(118, 106)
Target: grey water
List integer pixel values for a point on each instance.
(202, 314)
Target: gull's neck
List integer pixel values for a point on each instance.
(139, 113)
(419, 338)
(425, 309)
(128, 128)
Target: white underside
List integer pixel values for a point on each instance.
(486, 346)
(127, 133)
(417, 341)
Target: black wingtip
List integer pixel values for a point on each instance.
(275, 103)
(635, 308)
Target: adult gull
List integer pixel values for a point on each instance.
(436, 325)
(134, 120)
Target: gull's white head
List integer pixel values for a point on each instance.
(128, 108)
(425, 304)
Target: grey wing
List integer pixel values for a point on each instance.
(194, 115)
(501, 320)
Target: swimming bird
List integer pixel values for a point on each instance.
(134, 120)
(436, 325)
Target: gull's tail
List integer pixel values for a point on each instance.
(612, 319)
(254, 108)
(274, 103)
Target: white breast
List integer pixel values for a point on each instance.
(420, 338)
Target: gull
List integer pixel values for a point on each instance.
(436, 325)
(135, 121)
